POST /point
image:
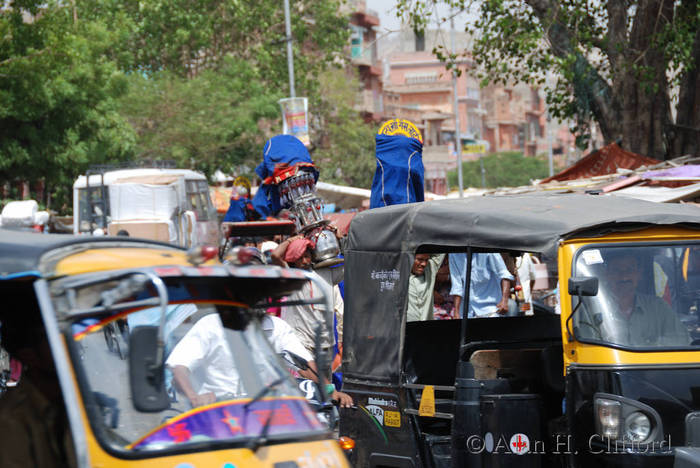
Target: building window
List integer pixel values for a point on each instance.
(356, 41)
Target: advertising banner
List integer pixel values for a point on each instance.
(295, 118)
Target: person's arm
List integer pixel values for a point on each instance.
(181, 376)
(499, 267)
(344, 399)
(277, 254)
(435, 262)
(458, 305)
(339, 308)
(672, 332)
(458, 271)
(502, 305)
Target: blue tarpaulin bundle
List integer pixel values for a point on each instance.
(280, 149)
(236, 210)
(399, 175)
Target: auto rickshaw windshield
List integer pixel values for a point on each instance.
(648, 296)
(225, 382)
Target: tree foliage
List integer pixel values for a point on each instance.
(57, 96)
(186, 37)
(208, 73)
(345, 151)
(98, 81)
(208, 122)
(620, 64)
(508, 169)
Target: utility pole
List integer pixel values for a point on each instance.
(458, 137)
(549, 144)
(290, 56)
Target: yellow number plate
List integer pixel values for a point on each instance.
(392, 418)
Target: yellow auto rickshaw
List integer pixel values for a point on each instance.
(603, 370)
(107, 328)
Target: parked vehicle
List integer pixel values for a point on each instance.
(62, 292)
(24, 215)
(164, 204)
(581, 388)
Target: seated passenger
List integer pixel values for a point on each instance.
(203, 357)
(35, 426)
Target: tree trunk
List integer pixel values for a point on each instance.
(646, 108)
(686, 130)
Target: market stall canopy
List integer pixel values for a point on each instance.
(606, 160)
(660, 194)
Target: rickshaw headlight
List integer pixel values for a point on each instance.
(637, 427)
(608, 417)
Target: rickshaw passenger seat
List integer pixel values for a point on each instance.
(495, 363)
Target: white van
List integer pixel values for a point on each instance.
(169, 205)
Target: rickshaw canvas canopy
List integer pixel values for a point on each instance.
(533, 223)
(382, 243)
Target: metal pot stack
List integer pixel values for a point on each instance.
(298, 194)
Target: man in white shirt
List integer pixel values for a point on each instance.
(283, 339)
(204, 351)
(304, 319)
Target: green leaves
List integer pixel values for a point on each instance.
(98, 81)
(345, 152)
(57, 96)
(206, 123)
(509, 169)
(613, 64)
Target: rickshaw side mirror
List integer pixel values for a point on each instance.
(583, 286)
(146, 378)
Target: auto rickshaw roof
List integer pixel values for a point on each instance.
(532, 223)
(21, 252)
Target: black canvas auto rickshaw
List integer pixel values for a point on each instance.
(116, 399)
(571, 384)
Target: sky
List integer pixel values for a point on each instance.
(389, 22)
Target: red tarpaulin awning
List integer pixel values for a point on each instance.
(606, 160)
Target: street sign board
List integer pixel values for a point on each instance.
(473, 148)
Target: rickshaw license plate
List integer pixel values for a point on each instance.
(392, 418)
